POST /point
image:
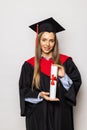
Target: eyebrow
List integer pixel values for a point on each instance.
(49, 39)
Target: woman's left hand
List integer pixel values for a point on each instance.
(61, 70)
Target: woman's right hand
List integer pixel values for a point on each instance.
(45, 95)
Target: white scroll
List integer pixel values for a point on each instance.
(53, 81)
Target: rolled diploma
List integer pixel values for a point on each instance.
(53, 79)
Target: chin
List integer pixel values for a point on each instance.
(47, 52)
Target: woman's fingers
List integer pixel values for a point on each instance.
(61, 70)
(55, 99)
(51, 99)
(45, 95)
(59, 66)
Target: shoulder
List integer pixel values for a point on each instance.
(64, 58)
(31, 61)
(28, 64)
(68, 63)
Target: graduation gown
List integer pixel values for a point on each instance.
(48, 115)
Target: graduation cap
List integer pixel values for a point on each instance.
(47, 25)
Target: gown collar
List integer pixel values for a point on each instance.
(49, 58)
(45, 64)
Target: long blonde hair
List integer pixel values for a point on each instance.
(55, 56)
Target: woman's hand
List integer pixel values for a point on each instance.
(45, 95)
(61, 70)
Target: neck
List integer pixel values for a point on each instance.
(47, 56)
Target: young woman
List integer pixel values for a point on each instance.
(42, 112)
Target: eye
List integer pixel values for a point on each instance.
(43, 39)
(52, 40)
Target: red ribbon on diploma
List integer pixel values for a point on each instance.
(53, 78)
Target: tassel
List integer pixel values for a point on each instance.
(37, 35)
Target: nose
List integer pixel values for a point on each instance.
(47, 43)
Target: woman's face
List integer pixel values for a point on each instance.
(47, 42)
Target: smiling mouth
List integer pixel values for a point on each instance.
(46, 48)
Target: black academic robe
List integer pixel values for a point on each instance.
(48, 115)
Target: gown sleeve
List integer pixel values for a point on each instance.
(25, 86)
(66, 81)
(74, 74)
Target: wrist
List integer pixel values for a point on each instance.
(61, 76)
(40, 95)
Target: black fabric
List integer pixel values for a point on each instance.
(48, 115)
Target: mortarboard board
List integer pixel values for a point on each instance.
(47, 25)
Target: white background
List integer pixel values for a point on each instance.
(17, 44)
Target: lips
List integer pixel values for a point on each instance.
(46, 48)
